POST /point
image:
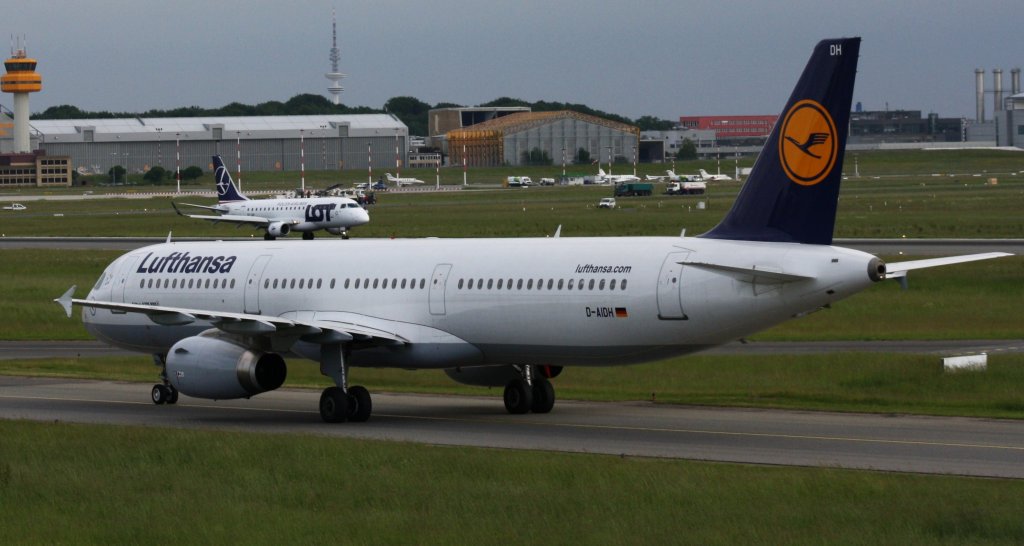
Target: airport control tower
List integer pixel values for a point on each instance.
(21, 79)
(334, 76)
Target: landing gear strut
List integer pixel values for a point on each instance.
(531, 392)
(341, 403)
(163, 392)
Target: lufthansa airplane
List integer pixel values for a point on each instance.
(278, 217)
(221, 318)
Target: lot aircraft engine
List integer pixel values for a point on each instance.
(212, 366)
(278, 229)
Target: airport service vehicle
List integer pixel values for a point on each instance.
(685, 188)
(630, 189)
(225, 319)
(15, 206)
(518, 182)
(606, 203)
(277, 217)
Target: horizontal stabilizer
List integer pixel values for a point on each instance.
(900, 269)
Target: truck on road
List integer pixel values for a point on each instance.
(629, 189)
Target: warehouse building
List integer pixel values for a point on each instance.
(264, 143)
(542, 137)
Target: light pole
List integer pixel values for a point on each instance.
(238, 157)
(302, 161)
(159, 152)
(323, 144)
(177, 159)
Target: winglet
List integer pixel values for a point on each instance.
(558, 232)
(65, 300)
(168, 236)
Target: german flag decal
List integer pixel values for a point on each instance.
(808, 147)
(620, 312)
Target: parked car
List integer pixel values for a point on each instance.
(380, 186)
(15, 206)
(607, 203)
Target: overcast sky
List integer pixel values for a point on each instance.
(645, 57)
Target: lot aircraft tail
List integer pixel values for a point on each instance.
(226, 190)
(793, 189)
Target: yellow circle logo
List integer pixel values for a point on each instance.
(807, 145)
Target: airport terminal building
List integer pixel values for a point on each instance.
(264, 143)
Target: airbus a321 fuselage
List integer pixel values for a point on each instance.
(277, 217)
(222, 317)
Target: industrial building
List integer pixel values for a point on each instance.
(553, 137)
(263, 143)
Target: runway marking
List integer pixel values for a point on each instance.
(565, 425)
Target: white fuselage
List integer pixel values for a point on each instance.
(304, 214)
(462, 302)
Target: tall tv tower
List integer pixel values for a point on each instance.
(334, 76)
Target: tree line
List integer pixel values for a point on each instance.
(410, 110)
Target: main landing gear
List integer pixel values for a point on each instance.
(341, 403)
(531, 392)
(163, 392)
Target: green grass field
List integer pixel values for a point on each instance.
(62, 483)
(912, 194)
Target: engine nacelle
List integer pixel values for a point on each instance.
(335, 230)
(496, 376)
(212, 366)
(278, 229)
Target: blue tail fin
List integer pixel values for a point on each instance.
(226, 190)
(793, 189)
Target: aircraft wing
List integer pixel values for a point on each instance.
(207, 207)
(900, 269)
(258, 221)
(316, 331)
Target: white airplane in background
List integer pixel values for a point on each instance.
(403, 181)
(671, 176)
(616, 178)
(221, 317)
(278, 217)
(708, 177)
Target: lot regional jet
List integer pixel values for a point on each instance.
(221, 318)
(278, 217)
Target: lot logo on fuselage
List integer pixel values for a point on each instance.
(808, 145)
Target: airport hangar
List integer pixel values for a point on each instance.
(264, 143)
(494, 137)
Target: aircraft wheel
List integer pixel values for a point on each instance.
(518, 397)
(268, 237)
(307, 236)
(344, 235)
(160, 394)
(543, 396)
(360, 405)
(333, 405)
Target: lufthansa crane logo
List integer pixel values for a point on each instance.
(808, 147)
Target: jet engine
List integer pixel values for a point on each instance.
(214, 366)
(496, 376)
(278, 229)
